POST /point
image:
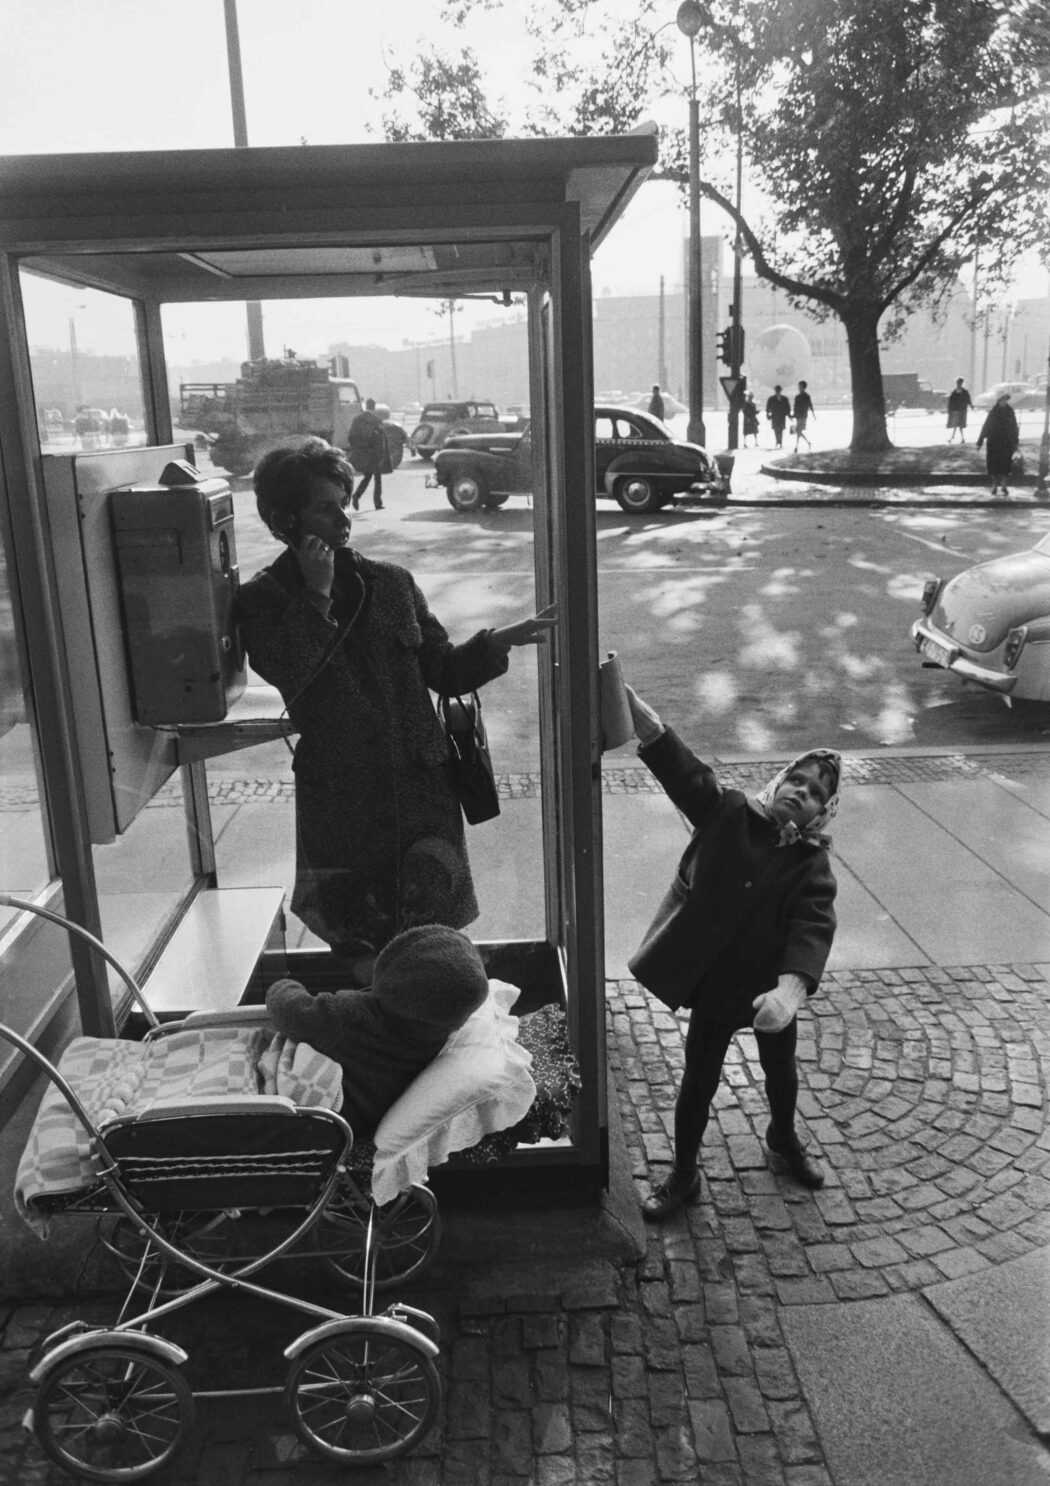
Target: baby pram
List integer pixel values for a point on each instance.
(187, 1167)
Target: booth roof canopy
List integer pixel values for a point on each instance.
(432, 218)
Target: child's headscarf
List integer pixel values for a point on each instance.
(814, 833)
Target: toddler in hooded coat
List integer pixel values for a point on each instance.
(427, 982)
(741, 937)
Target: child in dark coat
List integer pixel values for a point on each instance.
(741, 937)
(427, 982)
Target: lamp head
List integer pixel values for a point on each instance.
(692, 17)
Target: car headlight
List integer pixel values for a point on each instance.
(1014, 645)
(930, 589)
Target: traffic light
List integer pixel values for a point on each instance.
(725, 344)
(736, 345)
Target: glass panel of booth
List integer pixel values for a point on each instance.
(87, 381)
(24, 864)
(476, 570)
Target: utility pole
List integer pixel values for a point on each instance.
(256, 344)
(661, 353)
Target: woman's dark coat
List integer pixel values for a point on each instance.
(379, 835)
(741, 910)
(1002, 436)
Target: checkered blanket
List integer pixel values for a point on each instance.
(112, 1078)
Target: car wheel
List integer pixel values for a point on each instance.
(421, 439)
(492, 501)
(637, 495)
(467, 492)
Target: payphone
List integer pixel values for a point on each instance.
(177, 564)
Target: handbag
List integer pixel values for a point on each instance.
(469, 765)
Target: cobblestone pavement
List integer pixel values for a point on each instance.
(923, 1089)
(632, 777)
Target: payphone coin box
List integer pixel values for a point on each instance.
(177, 561)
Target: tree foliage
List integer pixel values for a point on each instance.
(889, 142)
(439, 97)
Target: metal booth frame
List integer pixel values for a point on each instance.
(511, 216)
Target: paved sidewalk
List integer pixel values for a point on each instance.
(889, 1330)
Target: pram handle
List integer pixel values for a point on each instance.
(7, 901)
(37, 1057)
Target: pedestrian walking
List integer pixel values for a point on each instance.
(741, 937)
(656, 402)
(1000, 432)
(368, 453)
(750, 419)
(778, 411)
(959, 404)
(802, 411)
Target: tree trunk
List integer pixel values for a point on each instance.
(869, 405)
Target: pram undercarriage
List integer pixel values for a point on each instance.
(196, 1196)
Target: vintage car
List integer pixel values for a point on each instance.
(992, 394)
(637, 462)
(441, 420)
(991, 624)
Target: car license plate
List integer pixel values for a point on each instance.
(939, 654)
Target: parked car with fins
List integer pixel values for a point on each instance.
(638, 463)
(991, 624)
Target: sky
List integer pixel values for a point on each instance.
(84, 75)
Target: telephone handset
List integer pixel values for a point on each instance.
(289, 530)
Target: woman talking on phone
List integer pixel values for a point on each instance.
(354, 651)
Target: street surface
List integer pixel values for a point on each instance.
(755, 630)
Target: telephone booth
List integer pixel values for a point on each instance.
(100, 732)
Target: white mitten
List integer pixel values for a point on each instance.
(647, 724)
(775, 1009)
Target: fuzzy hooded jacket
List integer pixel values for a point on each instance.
(742, 909)
(370, 781)
(427, 982)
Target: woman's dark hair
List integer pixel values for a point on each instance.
(282, 480)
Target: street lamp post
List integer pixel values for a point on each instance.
(737, 331)
(689, 20)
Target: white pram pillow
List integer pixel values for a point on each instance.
(480, 1082)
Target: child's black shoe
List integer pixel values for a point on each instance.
(670, 1195)
(786, 1154)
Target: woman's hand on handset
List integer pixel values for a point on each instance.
(316, 563)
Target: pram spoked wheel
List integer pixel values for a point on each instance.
(405, 1235)
(364, 1393)
(112, 1411)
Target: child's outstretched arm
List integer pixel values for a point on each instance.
(688, 782)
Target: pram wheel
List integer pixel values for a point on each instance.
(112, 1413)
(405, 1234)
(363, 1395)
(202, 1235)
